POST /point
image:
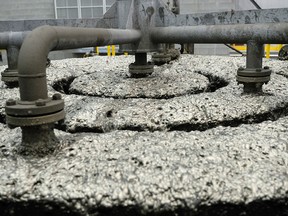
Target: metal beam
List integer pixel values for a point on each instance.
(255, 4)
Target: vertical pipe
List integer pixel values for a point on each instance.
(140, 58)
(12, 56)
(255, 51)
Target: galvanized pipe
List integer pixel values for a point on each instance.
(255, 52)
(140, 58)
(263, 33)
(37, 45)
(11, 39)
(12, 56)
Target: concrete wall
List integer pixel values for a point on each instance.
(205, 6)
(26, 9)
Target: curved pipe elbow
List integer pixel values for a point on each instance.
(38, 44)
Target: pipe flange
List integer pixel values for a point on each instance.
(27, 112)
(251, 75)
(9, 75)
(13, 121)
(161, 58)
(138, 71)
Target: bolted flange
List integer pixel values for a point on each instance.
(31, 113)
(161, 58)
(138, 71)
(253, 78)
(10, 77)
(252, 75)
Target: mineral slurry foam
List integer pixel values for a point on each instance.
(183, 141)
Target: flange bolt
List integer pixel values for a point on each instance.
(10, 102)
(40, 102)
(57, 96)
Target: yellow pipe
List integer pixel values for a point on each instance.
(113, 50)
(108, 50)
(97, 50)
(267, 50)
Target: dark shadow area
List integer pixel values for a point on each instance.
(215, 82)
(277, 207)
(63, 85)
(2, 118)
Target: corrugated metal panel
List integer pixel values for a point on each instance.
(26, 9)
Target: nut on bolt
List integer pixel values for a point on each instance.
(40, 102)
(57, 96)
(10, 102)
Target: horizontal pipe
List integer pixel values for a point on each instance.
(276, 33)
(12, 39)
(38, 44)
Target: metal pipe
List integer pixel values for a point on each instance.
(12, 56)
(262, 33)
(12, 39)
(255, 52)
(37, 45)
(141, 58)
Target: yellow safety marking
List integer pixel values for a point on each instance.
(113, 50)
(267, 50)
(108, 50)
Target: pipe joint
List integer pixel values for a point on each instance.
(141, 68)
(33, 113)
